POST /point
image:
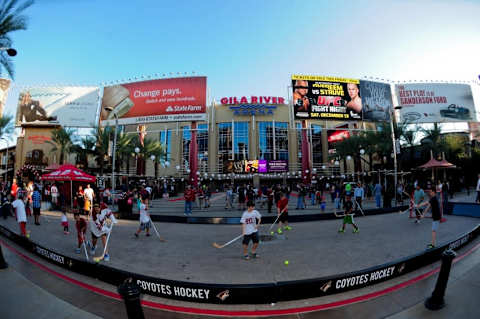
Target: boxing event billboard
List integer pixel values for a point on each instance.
(435, 102)
(73, 106)
(163, 100)
(376, 100)
(4, 86)
(327, 98)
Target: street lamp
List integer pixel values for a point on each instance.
(394, 145)
(110, 109)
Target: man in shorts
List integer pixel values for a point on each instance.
(348, 217)
(433, 205)
(250, 220)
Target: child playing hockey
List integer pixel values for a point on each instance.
(64, 222)
(348, 216)
(81, 226)
(145, 222)
(100, 226)
(250, 229)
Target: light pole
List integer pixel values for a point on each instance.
(394, 145)
(10, 51)
(110, 109)
(6, 162)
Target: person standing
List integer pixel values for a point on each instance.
(36, 204)
(377, 191)
(81, 226)
(250, 220)
(359, 194)
(418, 198)
(282, 212)
(229, 198)
(14, 189)
(434, 206)
(21, 215)
(189, 197)
(55, 195)
(89, 195)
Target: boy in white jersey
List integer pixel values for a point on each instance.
(145, 223)
(250, 229)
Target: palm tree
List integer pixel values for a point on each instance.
(125, 147)
(433, 140)
(84, 149)
(11, 20)
(6, 125)
(102, 139)
(62, 140)
(153, 147)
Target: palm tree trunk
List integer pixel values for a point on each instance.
(156, 169)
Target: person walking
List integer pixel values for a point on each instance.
(21, 215)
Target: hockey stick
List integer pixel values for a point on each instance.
(97, 259)
(228, 243)
(360, 207)
(156, 232)
(271, 226)
(85, 249)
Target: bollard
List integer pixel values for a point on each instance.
(3, 263)
(130, 293)
(436, 301)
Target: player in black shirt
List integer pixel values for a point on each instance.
(432, 204)
(348, 216)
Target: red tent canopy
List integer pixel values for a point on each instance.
(433, 163)
(68, 172)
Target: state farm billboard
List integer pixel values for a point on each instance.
(163, 100)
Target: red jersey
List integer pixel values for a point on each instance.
(283, 204)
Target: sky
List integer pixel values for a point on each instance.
(245, 47)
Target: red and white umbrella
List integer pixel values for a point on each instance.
(68, 172)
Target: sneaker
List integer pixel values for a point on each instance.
(89, 245)
(136, 235)
(106, 257)
(77, 250)
(148, 235)
(66, 233)
(356, 231)
(417, 221)
(287, 228)
(254, 255)
(430, 246)
(246, 257)
(341, 230)
(92, 251)
(279, 231)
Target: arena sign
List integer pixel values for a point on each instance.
(253, 105)
(246, 293)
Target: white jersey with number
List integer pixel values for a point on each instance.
(19, 206)
(100, 226)
(250, 221)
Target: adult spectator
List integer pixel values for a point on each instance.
(377, 192)
(359, 193)
(55, 196)
(89, 195)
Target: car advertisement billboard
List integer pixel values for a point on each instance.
(73, 106)
(435, 102)
(376, 101)
(162, 100)
(326, 98)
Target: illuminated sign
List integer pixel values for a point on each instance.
(252, 100)
(249, 109)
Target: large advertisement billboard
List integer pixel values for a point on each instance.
(73, 106)
(326, 98)
(163, 100)
(435, 102)
(376, 100)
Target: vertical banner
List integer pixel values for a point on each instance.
(4, 86)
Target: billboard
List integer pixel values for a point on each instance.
(326, 98)
(4, 86)
(376, 100)
(73, 106)
(435, 102)
(163, 100)
(277, 166)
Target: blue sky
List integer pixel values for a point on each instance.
(245, 47)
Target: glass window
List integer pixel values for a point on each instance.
(166, 140)
(298, 128)
(316, 133)
(225, 141)
(202, 142)
(241, 140)
(186, 139)
(265, 132)
(281, 140)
